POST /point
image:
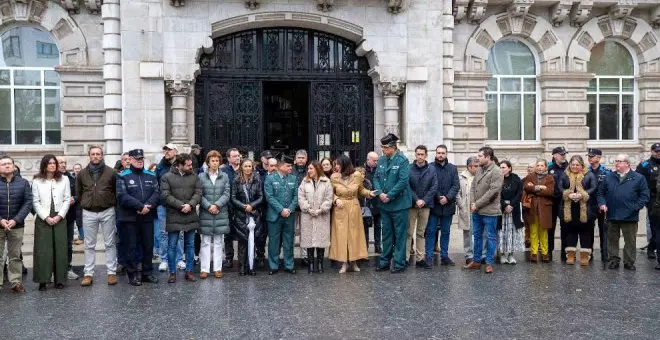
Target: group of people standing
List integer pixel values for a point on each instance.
(328, 204)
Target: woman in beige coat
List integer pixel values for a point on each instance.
(347, 236)
(315, 201)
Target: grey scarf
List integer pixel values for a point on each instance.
(95, 170)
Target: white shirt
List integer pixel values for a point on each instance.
(213, 176)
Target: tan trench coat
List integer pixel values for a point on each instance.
(463, 201)
(347, 236)
(315, 230)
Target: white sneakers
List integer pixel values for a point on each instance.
(507, 259)
(512, 260)
(181, 265)
(71, 275)
(163, 266)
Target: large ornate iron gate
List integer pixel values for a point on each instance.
(229, 90)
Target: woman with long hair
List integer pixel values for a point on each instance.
(347, 243)
(51, 198)
(213, 215)
(578, 209)
(510, 227)
(315, 201)
(541, 187)
(246, 197)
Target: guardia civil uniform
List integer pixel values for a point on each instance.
(391, 178)
(281, 193)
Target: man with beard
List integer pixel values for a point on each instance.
(169, 155)
(650, 169)
(556, 168)
(70, 215)
(137, 195)
(444, 209)
(96, 188)
(233, 162)
(393, 190)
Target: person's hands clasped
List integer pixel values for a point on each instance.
(186, 208)
(213, 209)
(443, 200)
(339, 203)
(285, 213)
(508, 209)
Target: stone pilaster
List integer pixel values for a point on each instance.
(469, 113)
(112, 132)
(564, 109)
(648, 113)
(447, 75)
(179, 90)
(391, 92)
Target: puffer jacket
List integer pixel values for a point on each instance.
(254, 198)
(177, 189)
(448, 186)
(423, 184)
(217, 194)
(624, 199)
(15, 200)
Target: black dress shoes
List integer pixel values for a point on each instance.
(290, 271)
(149, 279)
(272, 272)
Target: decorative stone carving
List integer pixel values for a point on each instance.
(394, 6)
(252, 4)
(580, 12)
(179, 89)
(655, 17)
(477, 10)
(22, 10)
(325, 5)
(94, 6)
(559, 12)
(392, 88)
(391, 91)
(177, 3)
(519, 8)
(623, 8)
(460, 9)
(73, 6)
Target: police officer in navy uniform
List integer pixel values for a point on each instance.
(556, 168)
(394, 196)
(650, 169)
(600, 171)
(138, 196)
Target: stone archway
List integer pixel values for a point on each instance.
(54, 19)
(535, 30)
(634, 32)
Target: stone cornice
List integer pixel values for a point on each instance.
(468, 79)
(79, 69)
(477, 10)
(565, 79)
(622, 8)
(459, 10)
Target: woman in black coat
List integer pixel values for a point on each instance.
(246, 197)
(511, 232)
(578, 210)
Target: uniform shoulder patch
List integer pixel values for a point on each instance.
(645, 163)
(125, 172)
(148, 172)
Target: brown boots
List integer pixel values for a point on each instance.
(570, 255)
(585, 255)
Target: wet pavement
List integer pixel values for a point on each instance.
(541, 301)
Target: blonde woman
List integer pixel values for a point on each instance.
(315, 196)
(51, 197)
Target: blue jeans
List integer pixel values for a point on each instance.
(156, 249)
(164, 242)
(432, 228)
(189, 242)
(479, 223)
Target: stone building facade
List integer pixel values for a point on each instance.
(523, 76)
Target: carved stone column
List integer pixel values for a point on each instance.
(112, 131)
(179, 89)
(391, 92)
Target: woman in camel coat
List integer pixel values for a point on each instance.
(347, 242)
(541, 187)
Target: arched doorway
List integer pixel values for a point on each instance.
(285, 89)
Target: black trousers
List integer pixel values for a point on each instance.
(138, 234)
(654, 225)
(69, 239)
(602, 232)
(243, 255)
(229, 247)
(583, 231)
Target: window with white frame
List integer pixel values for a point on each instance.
(512, 92)
(611, 94)
(29, 88)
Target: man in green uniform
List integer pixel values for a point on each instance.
(281, 192)
(393, 190)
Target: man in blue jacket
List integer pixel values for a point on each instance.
(621, 196)
(444, 207)
(650, 169)
(556, 168)
(423, 185)
(137, 199)
(393, 190)
(15, 205)
(281, 193)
